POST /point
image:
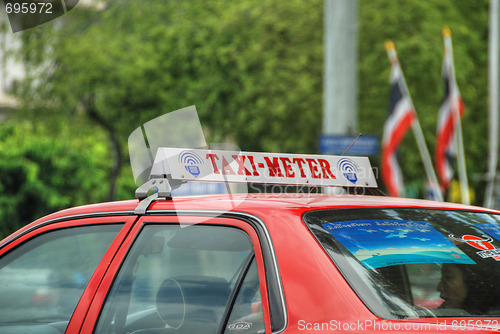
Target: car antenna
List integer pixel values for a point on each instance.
(355, 140)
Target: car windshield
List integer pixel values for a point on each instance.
(415, 263)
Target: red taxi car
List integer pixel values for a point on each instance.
(254, 263)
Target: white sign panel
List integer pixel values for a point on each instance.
(262, 167)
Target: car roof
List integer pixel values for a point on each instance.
(252, 203)
(257, 204)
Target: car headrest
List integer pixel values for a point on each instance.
(180, 297)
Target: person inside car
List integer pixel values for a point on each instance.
(469, 288)
(452, 286)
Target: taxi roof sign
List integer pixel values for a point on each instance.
(262, 167)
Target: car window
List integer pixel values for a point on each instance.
(182, 278)
(411, 263)
(42, 280)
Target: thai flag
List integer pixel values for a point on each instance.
(451, 109)
(401, 117)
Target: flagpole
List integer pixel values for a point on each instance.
(417, 129)
(426, 158)
(462, 167)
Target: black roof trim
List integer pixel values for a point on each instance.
(65, 218)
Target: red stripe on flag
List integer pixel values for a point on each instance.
(444, 141)
(389, 148)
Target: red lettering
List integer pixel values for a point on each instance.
(212, 158)
(325, 168)
(274, 167)
(314, 169)
(226, 169)
(255, 172)
(300, 162)
(241, 165)
(288, 169)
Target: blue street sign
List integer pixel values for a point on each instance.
(337, 144)
(200, 188)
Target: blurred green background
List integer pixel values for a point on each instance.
(254, 70)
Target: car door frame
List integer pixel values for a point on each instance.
(270, 281)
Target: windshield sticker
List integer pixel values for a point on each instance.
(382, 243)
(482, 243)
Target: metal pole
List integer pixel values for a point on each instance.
(340, 63)
(493, 107)
(426, 159)
(462, 170)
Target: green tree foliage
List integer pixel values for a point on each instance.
(253, 68)
(43, 172)
(253, 78)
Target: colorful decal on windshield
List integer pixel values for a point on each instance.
(382, 243)
(483, 243)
